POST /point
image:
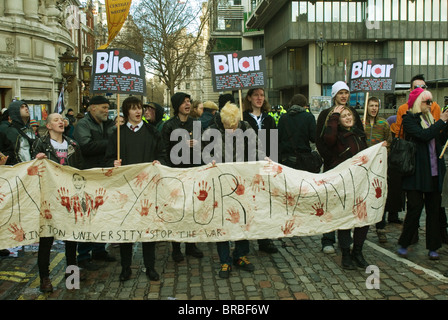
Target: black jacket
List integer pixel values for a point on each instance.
(171, 125)
(323, 149)
(267, 123)
(93, 139)
(152, 148)
(74, 158)
(421, 180)
(296, 129)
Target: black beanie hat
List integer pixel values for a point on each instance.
(177, 99)
(224, 98)
(98, 100)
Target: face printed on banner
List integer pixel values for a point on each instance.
(257, 98)
(135, 114)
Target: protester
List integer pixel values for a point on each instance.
(210, 111)
(231, 120)
(344, 140)
(5, 121)
(182, 106)
(197, 109)
(55, 146)
(340, 95)
(70, 116)
(424, 187)
(35, 126)
(154, 114)
(296, 129)
(19, 132)
(256, 108)
(119, 120)
(141, 143)
(92, 134)
(377, 130)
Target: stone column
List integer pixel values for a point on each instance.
(14, 8)
(31, 8)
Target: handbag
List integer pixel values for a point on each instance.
(402, 155)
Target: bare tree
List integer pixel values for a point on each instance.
(171, 29)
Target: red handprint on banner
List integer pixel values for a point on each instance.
(99, 198)
(234, 215)
(36, 170)
(378, 185)
(141, 178)
(319, 209)
(45, 210)
(204, 189)
(258, 183)
(145, 206)
(289, 227)
(17, 231)
(360, 209)
(239, 186)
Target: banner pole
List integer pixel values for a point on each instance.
(444, 149)
(365, 109)
(118, 126)
(241, 104)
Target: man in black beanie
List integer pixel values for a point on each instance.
(181, 103)
(92, 134)
(224, 98)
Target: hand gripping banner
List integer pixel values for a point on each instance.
(228, 201)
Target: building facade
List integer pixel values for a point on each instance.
(34, 36)
(415, 32)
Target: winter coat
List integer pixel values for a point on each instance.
(74, 155)
(19, 133)
(93, 139)
(342, 143)
(255, 154)
(421, 180)
(267, 123)
(168, 127)
(323, 149)
(7, 149)
(152, 147)
(296, 129)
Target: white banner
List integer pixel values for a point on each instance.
(229, 201)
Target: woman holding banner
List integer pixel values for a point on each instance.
(340, 96)
(344, 139)
(256, 109)
(424, 187)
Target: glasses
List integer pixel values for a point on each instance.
(428, 102)
(423, 86)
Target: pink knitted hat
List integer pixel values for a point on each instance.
(413, 96)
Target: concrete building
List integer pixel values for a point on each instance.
(413, 31)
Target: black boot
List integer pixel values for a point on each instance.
(358, 258)
(346, 261)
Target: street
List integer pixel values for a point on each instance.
(299, 271)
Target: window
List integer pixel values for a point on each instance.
(426, 53)
(295, 59)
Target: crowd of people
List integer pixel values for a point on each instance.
(338, 134)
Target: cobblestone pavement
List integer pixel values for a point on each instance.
(299, 271)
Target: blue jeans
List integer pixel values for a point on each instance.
(241, 249)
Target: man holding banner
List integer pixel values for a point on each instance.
(92, 133)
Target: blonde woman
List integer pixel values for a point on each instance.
(423, 188)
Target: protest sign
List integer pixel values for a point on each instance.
(373, 75)
(118, 71)
(227, 201)
(238, 70)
